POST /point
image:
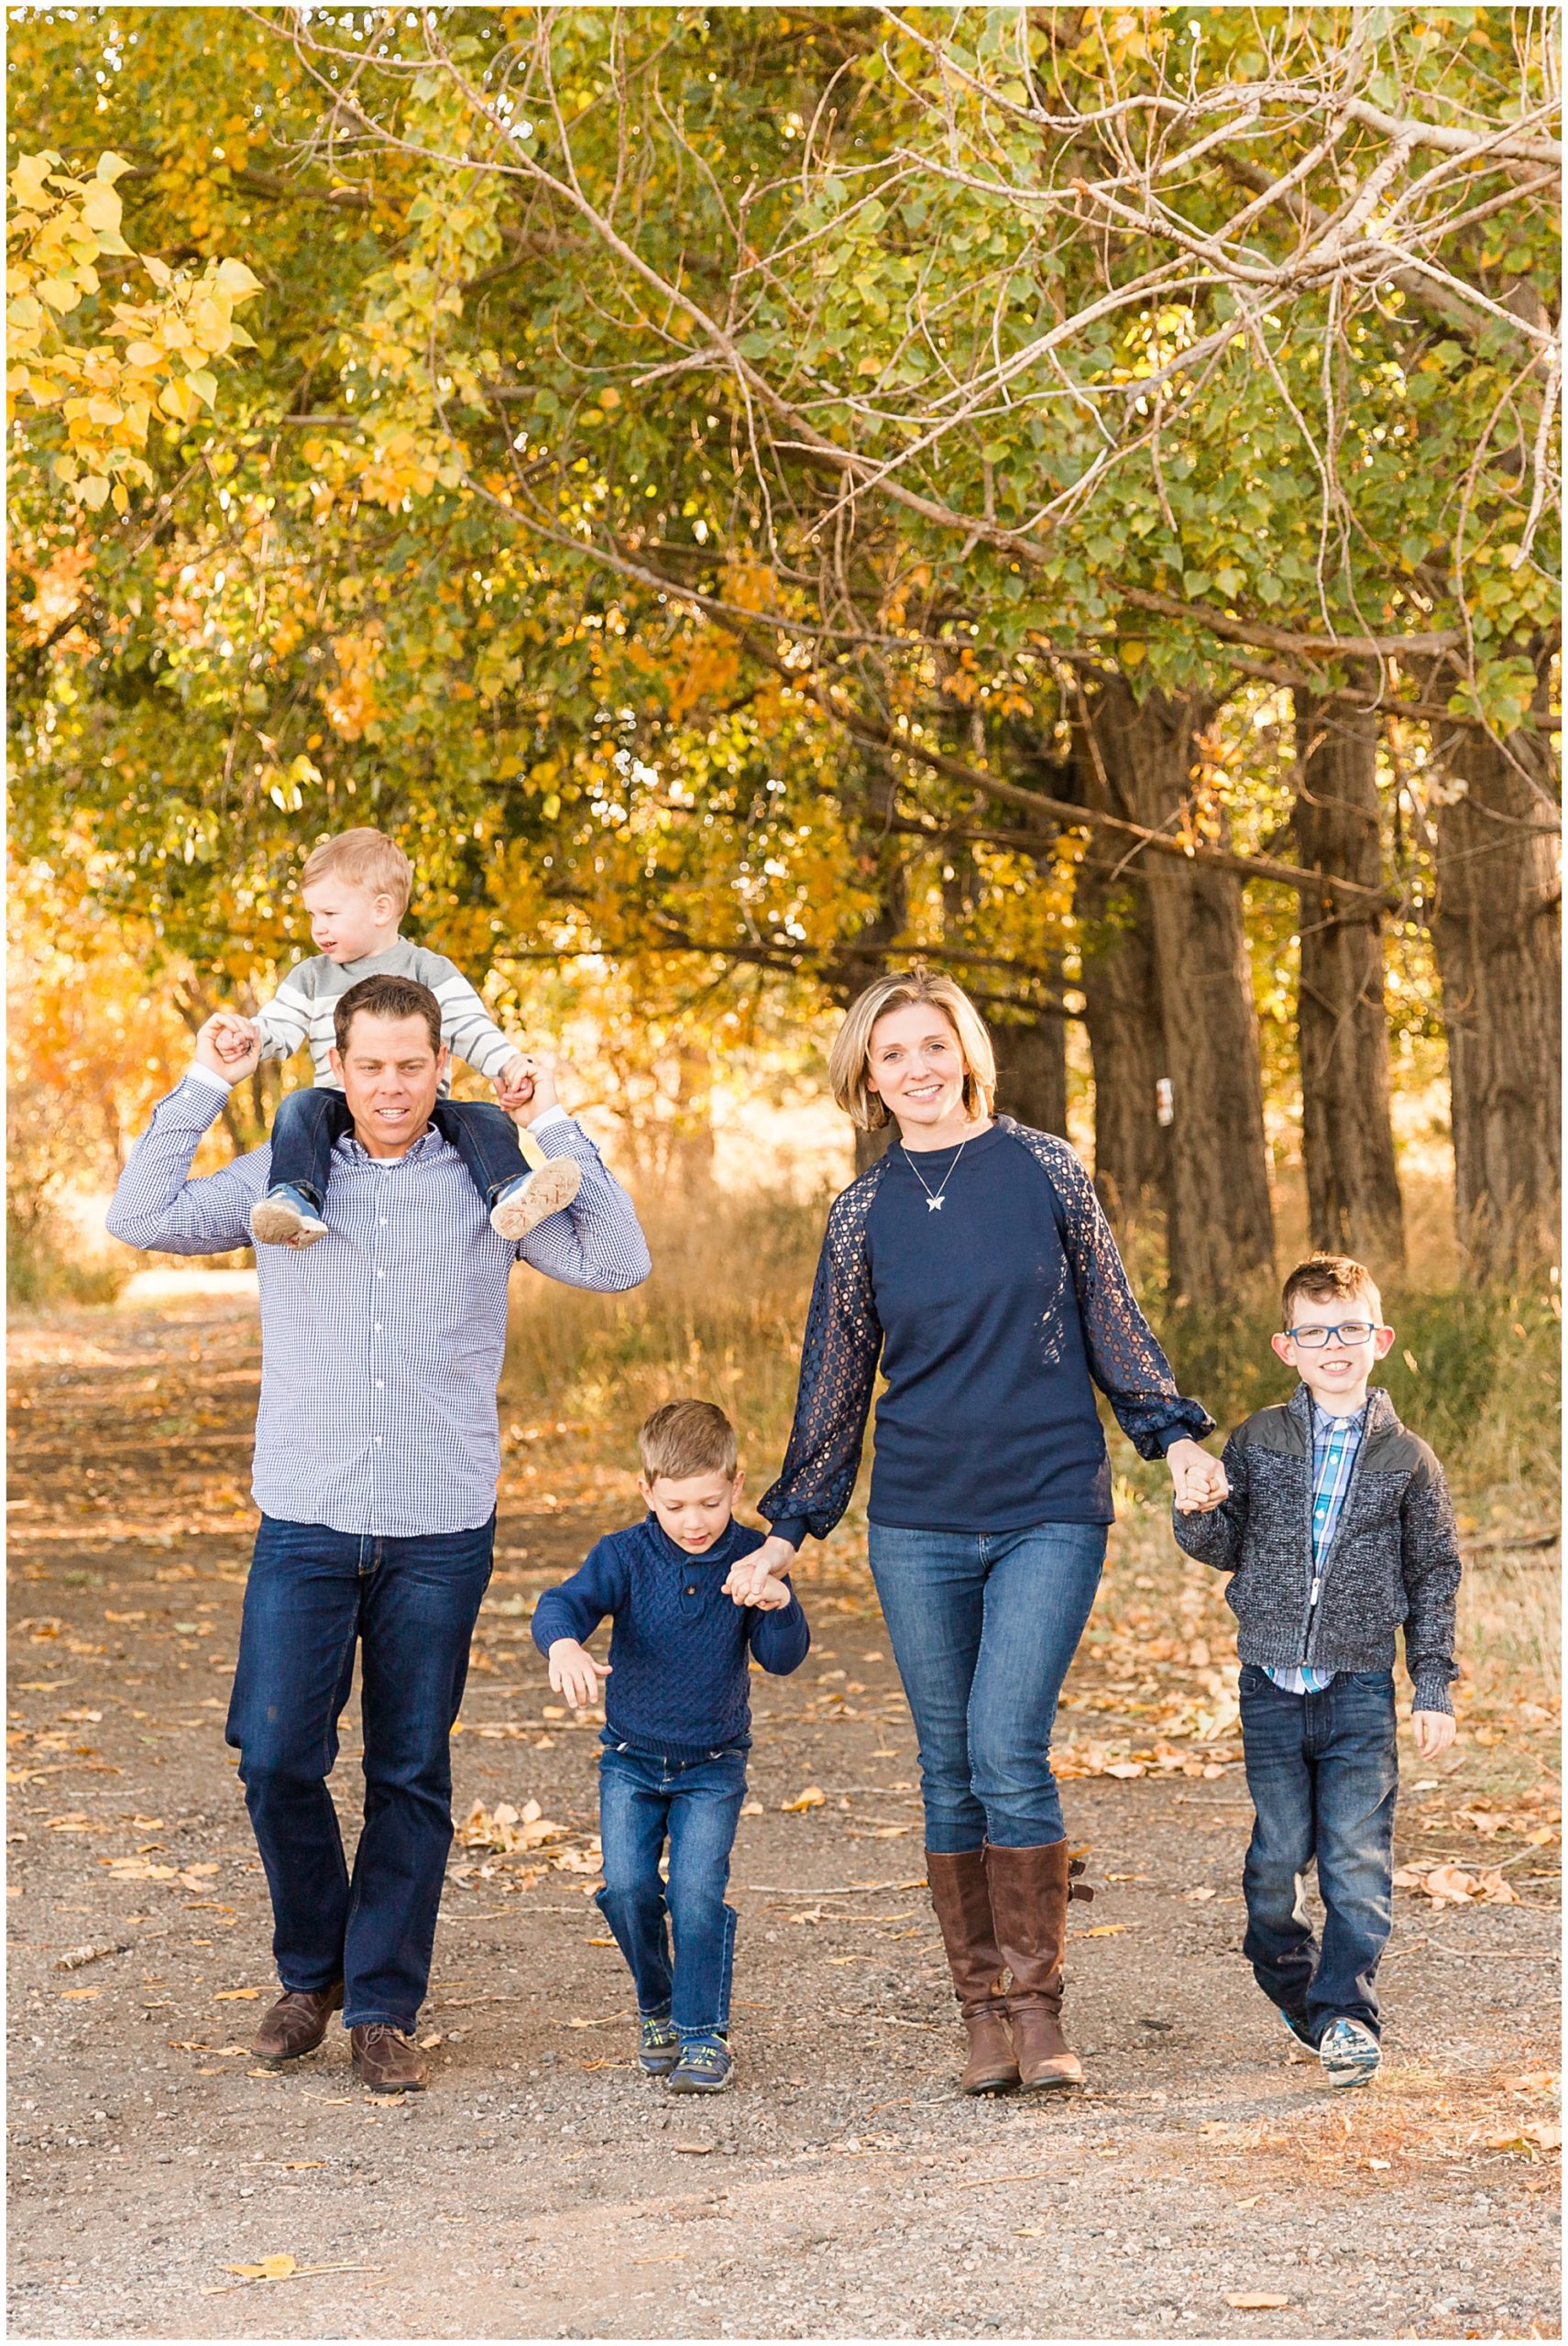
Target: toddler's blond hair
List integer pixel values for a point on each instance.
(369, 858)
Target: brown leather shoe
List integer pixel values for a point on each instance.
(1029, 1892)
(296, 2023)
(386, 2061)
(962, 1900)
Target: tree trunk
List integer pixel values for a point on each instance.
(1220, 1225)
(1030, 1070)
(1347, 1135)
(1499, 945)
(1121, 1011)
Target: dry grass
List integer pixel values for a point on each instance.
(1475, 1370)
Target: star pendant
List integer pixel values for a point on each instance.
(933, 1205)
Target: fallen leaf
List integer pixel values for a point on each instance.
(1199, 1897)
(1533, 2081)
(76, 1958)
(751, 1808)
(1103, 1931)
(1540, 2136)
(296, 2166)
(238, 1995)
(272, 2268)
(694, 2150)
(812, 1797)
(80, 1994)
(1254, 2300)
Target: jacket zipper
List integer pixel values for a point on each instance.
(1320, 1570)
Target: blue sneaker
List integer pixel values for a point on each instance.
(1299, 2026)
(705, 2066)
(1350, 2054)
(660, 2048)
(285, 1217)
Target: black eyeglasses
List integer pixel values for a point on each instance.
(1349, 1331)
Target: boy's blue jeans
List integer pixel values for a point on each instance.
(645, 1798)
(984, 1626)
(309, 1125)
(1322, 1770)
(409, 1604)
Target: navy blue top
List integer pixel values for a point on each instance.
(993, 1317)
(679, 1650)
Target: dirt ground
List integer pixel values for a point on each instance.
(541, 2187)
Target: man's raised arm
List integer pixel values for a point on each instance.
(595, 1242)
(156, 1205)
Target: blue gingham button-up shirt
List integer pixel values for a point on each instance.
(382, 1344)
(1335, 1442)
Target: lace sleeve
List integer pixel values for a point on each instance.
(1124, 1358)
(838, 1374)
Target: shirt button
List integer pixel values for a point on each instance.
(379, 1382)
(378, 1441)
(383, 1222)
(380, 1275)
(377, 1327)
(691, 1591)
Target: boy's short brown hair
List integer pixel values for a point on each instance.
(369, 858)
(687, 1437)
(1330, 1279)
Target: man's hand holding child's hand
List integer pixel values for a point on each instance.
(229, 1046)
(1434, 1731)
(574, 1673)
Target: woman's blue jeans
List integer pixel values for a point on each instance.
(1323, 1772)
(410, 1605)
(646, 1798)
(310, 1122)
(984, 1626)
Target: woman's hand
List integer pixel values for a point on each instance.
(749, 1575)
(1199, 1481)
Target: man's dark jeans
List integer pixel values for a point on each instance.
(695, 1803)
(411, 1605)
(310, 1124)
(1322, 1770)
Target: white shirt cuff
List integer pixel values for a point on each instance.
(548, 1116)
(204, 1075)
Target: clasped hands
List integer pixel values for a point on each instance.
(1200, 1482)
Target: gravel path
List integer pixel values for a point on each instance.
(543, 2188)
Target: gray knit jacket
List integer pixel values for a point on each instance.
(1394, 1556)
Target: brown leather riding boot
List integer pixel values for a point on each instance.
(385, 2060)
(296, 2023)
(962, 1901)
(1029, 1892)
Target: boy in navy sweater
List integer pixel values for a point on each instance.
(678, 1726)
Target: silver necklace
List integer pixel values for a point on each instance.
(934, 1197)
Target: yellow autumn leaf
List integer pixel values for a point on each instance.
(1254, 2300)
(812, 1797)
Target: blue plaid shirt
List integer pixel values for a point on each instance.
(381, 1344)
(1335, 1442)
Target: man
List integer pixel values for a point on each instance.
(377, 1454)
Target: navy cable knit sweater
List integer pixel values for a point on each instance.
(679, 1650)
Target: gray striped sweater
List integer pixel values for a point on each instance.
(302, 1010)
(1393, 1558)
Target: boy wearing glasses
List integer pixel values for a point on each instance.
(1337, 1527)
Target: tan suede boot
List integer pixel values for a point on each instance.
(962, 1901)
(1029, 1892)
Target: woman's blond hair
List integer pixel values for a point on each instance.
(850, 1060)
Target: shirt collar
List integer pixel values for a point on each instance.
(721, 1553)
(351, 1147)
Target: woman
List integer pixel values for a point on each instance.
(973, 1262)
